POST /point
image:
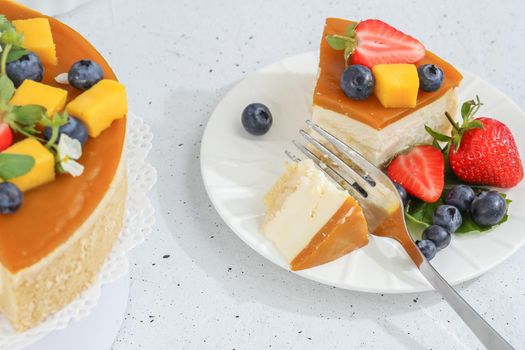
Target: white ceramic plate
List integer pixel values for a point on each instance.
(238, 169)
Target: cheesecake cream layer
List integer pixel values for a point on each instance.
(310, 220)
(378, 146)
(30, 295)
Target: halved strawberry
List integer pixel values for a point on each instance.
(6, 136)
(421, 171)
(374, 42)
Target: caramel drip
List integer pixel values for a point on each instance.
(53, 212)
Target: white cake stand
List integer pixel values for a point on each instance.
(99, 329)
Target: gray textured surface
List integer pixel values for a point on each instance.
(194, 284)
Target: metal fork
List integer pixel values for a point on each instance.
(382, 208)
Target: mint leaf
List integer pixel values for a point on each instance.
(420, 212)
(27, 115)
(336, 43)
(7, 88)
(15, 165)
(16, 53)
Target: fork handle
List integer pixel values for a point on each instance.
(488, 336)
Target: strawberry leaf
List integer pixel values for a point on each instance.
(475, 124)
(436, 135)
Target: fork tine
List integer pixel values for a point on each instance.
(365, 185)
(354, 188)
(367, 167)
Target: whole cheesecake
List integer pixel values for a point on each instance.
(53, 247)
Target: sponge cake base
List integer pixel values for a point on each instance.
(30, 295)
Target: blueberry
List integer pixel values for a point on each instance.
(11, 198)
(357, 82)
(448, 217)
(257, 119)
(430, 77)
(460, 196)
(402, 193)
(488, 208)
(438, 235)
(427, 248)
(84, 74)
(26, 67)
(74, 128)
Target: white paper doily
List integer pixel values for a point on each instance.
(139, 221)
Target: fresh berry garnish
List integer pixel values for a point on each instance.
(374, 42)
(482, 150)
(26, 67)
(437, 234)
(448, 217)
(11, 198)
(74, 128)
(488, 208)
(427, 248)
(430, 77)
(357, 82)
(6, 136)
(256, 119)
(460, 196)
(84, 74)
(402, 193)
(420, 171)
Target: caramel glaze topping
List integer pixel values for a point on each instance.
(328, 93)
(53, 212)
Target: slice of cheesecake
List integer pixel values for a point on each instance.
(310, 220)
(378, 132)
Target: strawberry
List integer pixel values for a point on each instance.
(482, 150)
(421, 171)
(6, 136)
(373, 42)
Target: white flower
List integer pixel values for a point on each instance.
(70, 150)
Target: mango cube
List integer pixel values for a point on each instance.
(35, 93)
(38, 38)
(99, 106)
(44, 169)
(396, 85)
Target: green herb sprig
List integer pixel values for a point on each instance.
(21, 119)
(11, 42)
(346, 42)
